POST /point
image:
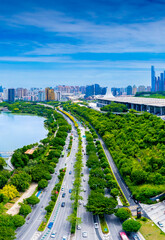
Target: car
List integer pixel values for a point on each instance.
(84, 205)
(53, 234)
(84, 180)
(50, 225)
(84, 234)
(63, 204)
(70, 172)
(64, 238)
(96, 225)
(62, 189)
(56, 172)
(85, 190)
(78, 227)
(135, 237)
(63, 195)
(70, 190)
(160, 224)
(80, 202)
(136, 201)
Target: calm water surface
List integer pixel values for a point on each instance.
(17, 130)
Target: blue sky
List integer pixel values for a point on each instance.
(113, 43)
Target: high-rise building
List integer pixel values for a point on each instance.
(141, 88)
(57, 96)
(153, 80)
(129, 90)
(134, 90)
(161, 88)
(49, 94)
(19, 93)
(5, 94)
(11, 94)
(90, 91)
(97, 89)
(41, 96)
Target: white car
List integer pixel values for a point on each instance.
(96, 225)
(78, 227)
(85, 190)
(62, 189)
(64, 238)
(84, 234)
(53, 235)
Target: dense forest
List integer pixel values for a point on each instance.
(136, 143)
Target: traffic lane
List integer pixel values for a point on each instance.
(64, 212)
(115, 226)
(121, 182)
(61, 226)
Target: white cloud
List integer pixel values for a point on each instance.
(98, 38)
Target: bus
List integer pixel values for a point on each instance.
(63, 154)
(123, 236)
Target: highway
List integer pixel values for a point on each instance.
(29, 229)
(59, 215)
(87, 224)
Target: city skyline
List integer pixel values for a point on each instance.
(45, 44)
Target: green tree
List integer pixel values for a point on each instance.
(99, 204)
(18, 220)
(131, 225)
(43, 183)
(25, 209)
(7, 233)
(33, 200)
(21, 181)
(114, 192)
(123, 213)
(2, 163)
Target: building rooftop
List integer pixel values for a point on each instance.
(157, 102)
(29, 151)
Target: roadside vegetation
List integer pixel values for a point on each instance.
(115, 107)
(150, 94)
(70, 146)
(136, 143)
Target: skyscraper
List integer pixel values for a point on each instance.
(49, 94)
(41, 96)
(153, 80)
(11, 94)
(89, 91)
(129, 90)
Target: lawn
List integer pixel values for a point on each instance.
(150, 231)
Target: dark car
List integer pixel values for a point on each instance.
(63, 204)
(63, 195)
(135, 237)
(70, 172)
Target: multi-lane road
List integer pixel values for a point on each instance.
(61, 227)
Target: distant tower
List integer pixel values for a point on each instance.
(153, 80)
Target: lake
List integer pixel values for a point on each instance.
(18, 130)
